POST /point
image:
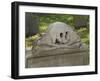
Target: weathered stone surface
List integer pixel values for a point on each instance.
(60, 34)
(52, 59)
(61, 48)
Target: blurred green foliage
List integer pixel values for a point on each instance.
(84, 35)
(46, 19)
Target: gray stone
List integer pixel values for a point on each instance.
(54, 50)
(54, 58)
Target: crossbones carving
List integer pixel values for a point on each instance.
(60, 34)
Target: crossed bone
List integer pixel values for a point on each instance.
(59, 35)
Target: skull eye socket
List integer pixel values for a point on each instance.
(66, 34)
(61, 35)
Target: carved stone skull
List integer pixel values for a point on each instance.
(60, 34)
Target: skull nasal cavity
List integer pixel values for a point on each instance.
(61, 35)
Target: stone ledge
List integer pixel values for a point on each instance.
(40, 53)
(58, 57)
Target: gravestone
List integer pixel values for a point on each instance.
(31, 24)
(80, 21)
(57, 57)
(52, 51)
